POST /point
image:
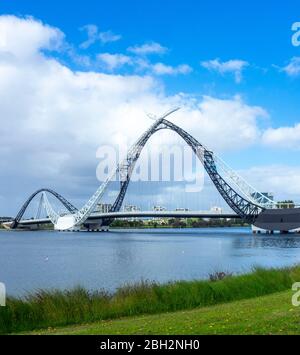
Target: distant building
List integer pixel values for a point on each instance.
(5, 219)
(216, 210)
(132, 208)
(159, 220)
(103, 207)
(285, 204)
(182, 209)
(159, 208)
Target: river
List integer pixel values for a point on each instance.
(49, 259)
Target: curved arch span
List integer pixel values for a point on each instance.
(246, 209)
(65, 202)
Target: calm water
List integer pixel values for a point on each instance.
(31, 260)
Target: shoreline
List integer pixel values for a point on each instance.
(56, 308)
(137, 228)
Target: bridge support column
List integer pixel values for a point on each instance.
(256, 230)
(93, 227)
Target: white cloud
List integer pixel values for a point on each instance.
(109, 36)
(282, 180)
(163, 69)
(283, 137)
(23, 38)
(148, 48)
(293, 68)
(50, 137)
(113, 61)
(95, 35)
(222, 124)
(234, 66)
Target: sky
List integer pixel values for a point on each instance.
(77, 75)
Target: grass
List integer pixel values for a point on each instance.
(61, 308)
(272, 314)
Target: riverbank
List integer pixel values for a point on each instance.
(46, 309)
(272, 314)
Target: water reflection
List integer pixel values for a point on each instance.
(268, 241)
(31, 260)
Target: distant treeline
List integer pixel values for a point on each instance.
(177, 223)
(166, 223)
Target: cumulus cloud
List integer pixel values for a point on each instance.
(293, 68)
(283, 137)
(143, 65)
(163, 69)
(23, 38)
(282, 180)
(233, 122)
(113, 61)
(234, 66)
(53, 119)
(148, 48)
(94, 35)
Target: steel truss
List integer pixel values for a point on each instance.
(66, 203)
(246, 209)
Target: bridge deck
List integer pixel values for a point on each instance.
(143, 214)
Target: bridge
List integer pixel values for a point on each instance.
(94, 222)
(246, 202)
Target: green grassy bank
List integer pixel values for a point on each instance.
(60, 308)
(272, 314)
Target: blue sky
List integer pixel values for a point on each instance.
(222, 50)
(258, 32)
